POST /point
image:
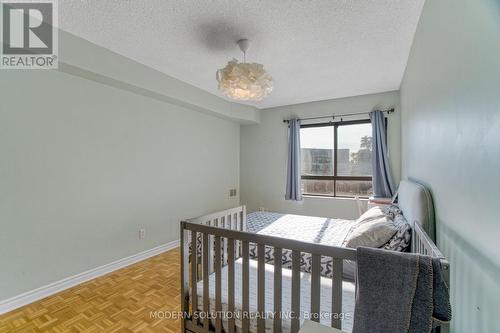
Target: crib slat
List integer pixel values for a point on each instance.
(211, 254)
(261, 287)
(315, 287)
(185, 279)
(235, 219)
(206, 302)
(222, 224)
(337, 292)
(417, 243)
(218, 285)
(295, 291)
(194, 273)
(245, 286)
(243, 219)
(278, 252)
(234, 226)
(415, 240)
(226, 225)
(230, 284)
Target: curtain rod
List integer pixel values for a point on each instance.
(389, 111)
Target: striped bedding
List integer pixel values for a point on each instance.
(310, 229)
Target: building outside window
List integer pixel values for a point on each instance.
(336, 159)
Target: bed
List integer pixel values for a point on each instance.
(235, 271)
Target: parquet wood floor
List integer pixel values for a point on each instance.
(117, 302)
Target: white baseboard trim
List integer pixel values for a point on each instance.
(55, 287)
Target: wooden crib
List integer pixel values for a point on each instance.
(223, 241)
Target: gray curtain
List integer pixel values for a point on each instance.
(382, 178)
(293, 187)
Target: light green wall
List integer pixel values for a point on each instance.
(264, 154)
(84, 166)
(450, 99)
(81, 57)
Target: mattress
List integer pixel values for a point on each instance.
(348, 299)
(321, 230)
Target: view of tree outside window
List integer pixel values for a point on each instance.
(354, 154)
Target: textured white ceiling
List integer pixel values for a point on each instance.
(314, 49)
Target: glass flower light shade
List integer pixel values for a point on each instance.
(244, 81)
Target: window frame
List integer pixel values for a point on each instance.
(335, 177)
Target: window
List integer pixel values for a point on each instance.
(336, 159)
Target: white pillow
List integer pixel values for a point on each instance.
(370, 214)
(372, 231)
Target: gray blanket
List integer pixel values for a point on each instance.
(399, 292)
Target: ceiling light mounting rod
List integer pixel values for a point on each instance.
(244, 45)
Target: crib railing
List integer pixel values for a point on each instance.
(189, 278)
(422, 243)
(234, 219)
(223, 240)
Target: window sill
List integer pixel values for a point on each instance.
(330, 197)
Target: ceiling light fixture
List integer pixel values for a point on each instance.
(244, 81)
